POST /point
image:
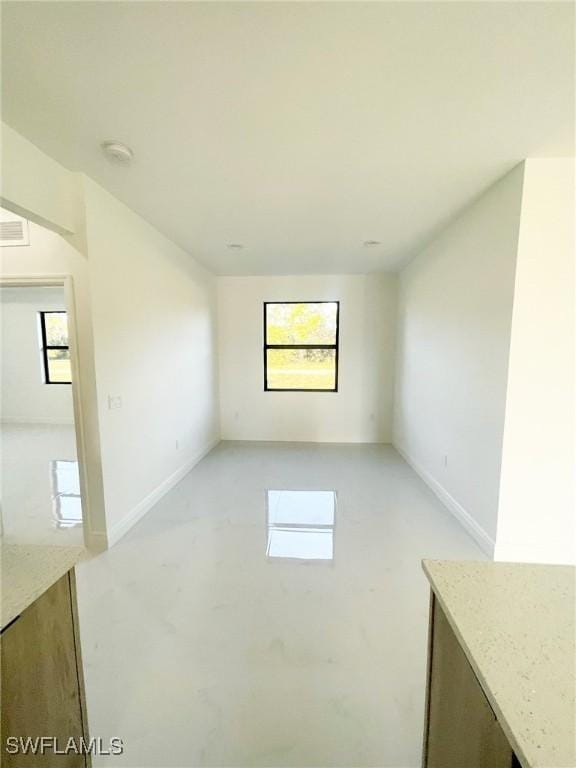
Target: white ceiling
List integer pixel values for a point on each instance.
(298, 129)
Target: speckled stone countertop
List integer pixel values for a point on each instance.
(515, 622)
(27, 571)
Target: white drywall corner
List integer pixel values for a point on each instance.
(537, 509)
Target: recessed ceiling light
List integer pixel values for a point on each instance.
(235, 246)
(117, 152)
(371, 243)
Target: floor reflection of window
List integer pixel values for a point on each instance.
(301, 524)
(66, 501)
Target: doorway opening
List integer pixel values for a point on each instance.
(42, 502)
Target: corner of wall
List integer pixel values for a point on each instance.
(34, 185)
(536, 520)
(480, 536)
(431, 307)
(121, 528)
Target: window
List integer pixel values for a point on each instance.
(301, 346)
(55, 349)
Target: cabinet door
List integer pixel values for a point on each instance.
(41, 695)
(461, 729)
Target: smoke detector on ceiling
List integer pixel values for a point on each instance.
(117, 152)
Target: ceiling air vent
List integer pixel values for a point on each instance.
(14, 232)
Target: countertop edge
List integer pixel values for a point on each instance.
(30, 570)
(518, 751)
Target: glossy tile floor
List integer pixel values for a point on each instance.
(40, 486)
(240, 626)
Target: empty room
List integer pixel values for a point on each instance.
(287, 409)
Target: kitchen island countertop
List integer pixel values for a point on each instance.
(515, 623)
(27, 571)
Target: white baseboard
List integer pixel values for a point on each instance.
(64, 421)
(484, 541)
(331, 443)
(122, 527)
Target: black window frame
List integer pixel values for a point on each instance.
(46, 346)
(335, 346)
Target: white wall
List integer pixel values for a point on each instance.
(537, 514)
(146, 317)
(454, 325)
(25, 396)
(35, 186)
(361, 411)
(154, 318)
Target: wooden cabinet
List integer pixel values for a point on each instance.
(461, 729)
(42, 680)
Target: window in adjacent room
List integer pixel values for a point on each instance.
(55, 349)
(301, 346)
